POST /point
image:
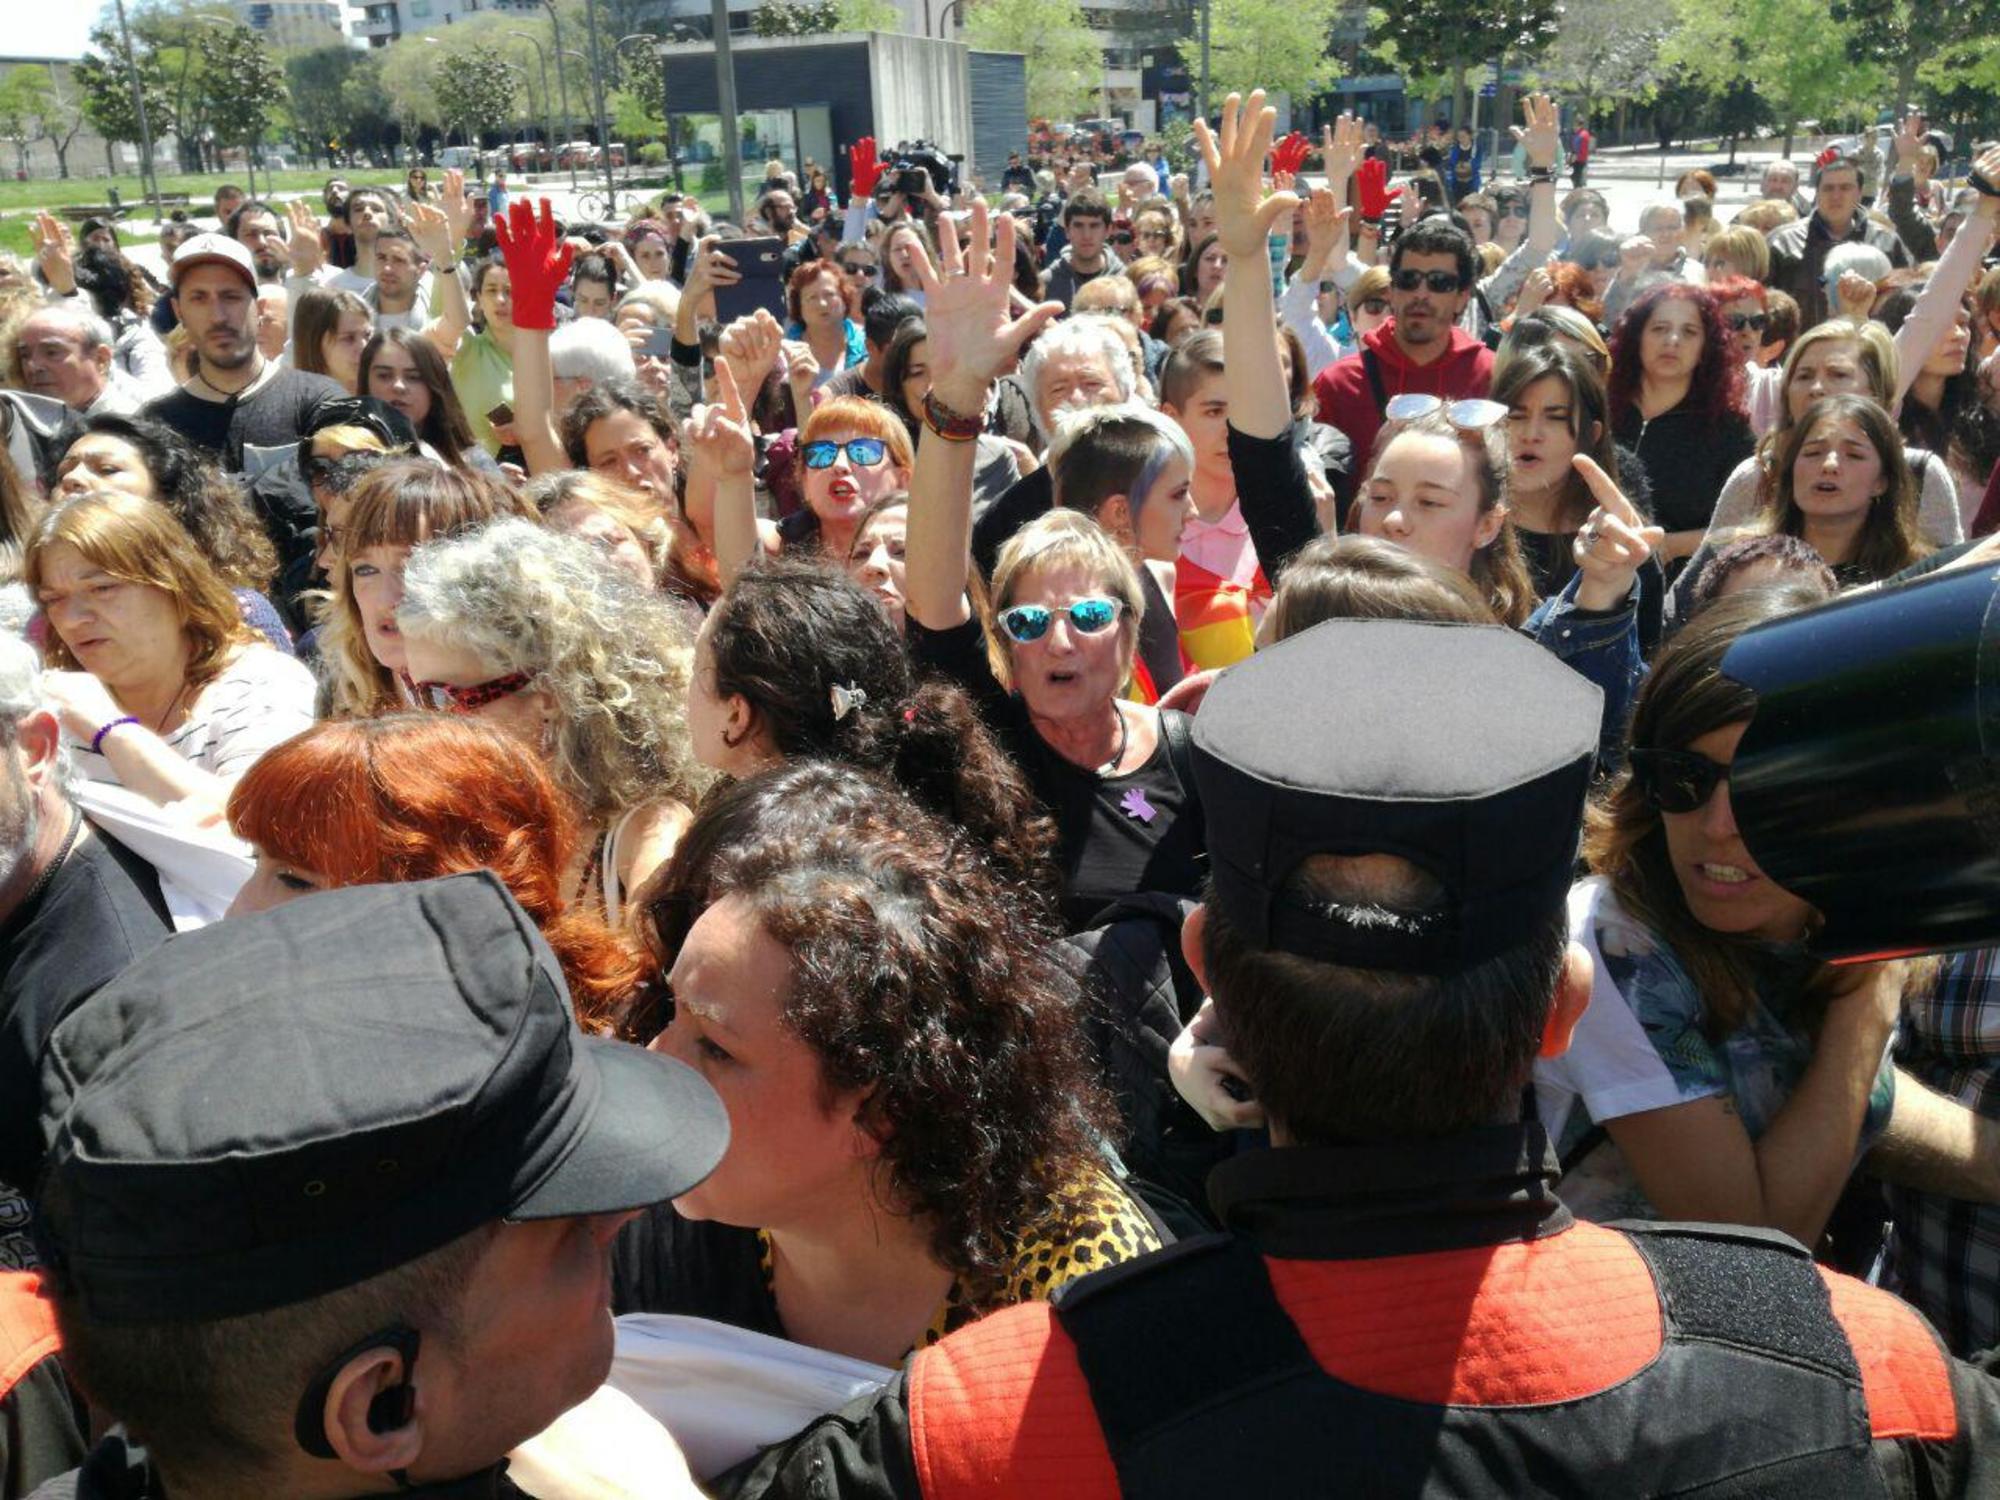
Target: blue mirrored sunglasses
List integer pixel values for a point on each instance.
(1030, 622)
(863, 453)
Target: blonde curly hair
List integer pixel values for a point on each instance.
(617, 660)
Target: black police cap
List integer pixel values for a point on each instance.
(1465, 749)
(283, 1105)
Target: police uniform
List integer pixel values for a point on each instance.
(1418, 1317)
(285, 1105)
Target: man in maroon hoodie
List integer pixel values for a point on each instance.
(1421, 347)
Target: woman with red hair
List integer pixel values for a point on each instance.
(1677, 401)
(415, 796)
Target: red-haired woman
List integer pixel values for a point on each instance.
(816, 302)
(1677, 401)
(415, 796)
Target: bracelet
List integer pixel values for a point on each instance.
(1541, 174)
(950, 425)
(97, 740)
(1983, 184)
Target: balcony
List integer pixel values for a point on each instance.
(379, 24)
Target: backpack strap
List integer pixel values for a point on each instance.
(1372, 367)
(1180, 755)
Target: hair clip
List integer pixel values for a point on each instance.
(846, 700)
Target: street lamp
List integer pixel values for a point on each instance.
(597, 98)
(562, 83)
(528, 88)
(147, 174)
(542, 57)
(944, 16)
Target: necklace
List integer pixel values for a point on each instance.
(1110, 767)
(202, 376)
(160, 728)
(43, 881)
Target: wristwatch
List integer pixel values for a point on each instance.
(1541, 174)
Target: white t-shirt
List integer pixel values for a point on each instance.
(261, 699)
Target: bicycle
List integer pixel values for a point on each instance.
(597, 208)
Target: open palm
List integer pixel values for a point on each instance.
(972, 338)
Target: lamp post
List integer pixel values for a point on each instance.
(563, 84)
(548, 124)
(944, 16)
(148, 178)
(725, 102)
(528, 88)
(597, 99)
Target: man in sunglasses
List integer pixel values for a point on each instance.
(1420, 350)
(1401, 1304)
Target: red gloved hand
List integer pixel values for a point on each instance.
(1290, 154)
(1826, 156)
(863, 166)
(537, 263)
(1371, 182)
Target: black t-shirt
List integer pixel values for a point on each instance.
(1117, 834)
(275, 415)
(101, 911)
(663, 1263)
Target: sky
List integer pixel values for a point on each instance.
(35, 29)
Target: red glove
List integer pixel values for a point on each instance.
(866, 170)
(1371, 182)
(1290, 154)
(537, 263)
(1826, 156)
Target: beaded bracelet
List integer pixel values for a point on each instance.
(950, 425)
(97, 740)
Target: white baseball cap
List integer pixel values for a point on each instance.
(212, 249)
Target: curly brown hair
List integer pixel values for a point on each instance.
(918, 975)
(790, 629)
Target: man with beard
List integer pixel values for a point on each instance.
(1421, 349)
(237, 404)
(75, 909)
(255, 227)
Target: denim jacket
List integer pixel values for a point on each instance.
(1604, 647)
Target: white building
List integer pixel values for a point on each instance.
(380, 22)
(293, 23)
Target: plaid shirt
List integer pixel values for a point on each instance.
(1948, 1250)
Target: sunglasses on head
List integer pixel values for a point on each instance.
(1741, 321)
(1467, 416)
(1440, 282)
(1676, 781)
(449, 697)
(863, 453)
(1030, 622)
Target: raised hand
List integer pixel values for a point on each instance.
(1326, 222)
(1342, 148)
(1987, 167)
(972, 339)
(307, 252)
(801, 374)
(749, 346)
(1634, 256)
(709, 268)
(1855, 293)
(862, 164)
(717, 435)
(1290, 154)
(1243, 215)
(55, 253)
(457, 207)
(1613, 544)
(1371, 184)
(432, 231)
(537, 263)
(1536, 288)
(1539, 138)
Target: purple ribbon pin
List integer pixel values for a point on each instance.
(1135, 805)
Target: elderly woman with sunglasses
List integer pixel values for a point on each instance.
(1066, 605)
(526, 629)
(1721, 1073)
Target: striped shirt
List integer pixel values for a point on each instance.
(261, 698)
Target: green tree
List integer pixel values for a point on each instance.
(322, 104)
(1271, 44)
(1607, 53)
(475, 90)
(1898, 36)
(1435, 40)
(246, 87)
(1065, 63)
(1790, 53)
(818, 17)
(26, 98)
(104, 80)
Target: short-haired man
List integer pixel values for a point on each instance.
(1401, 1304)
(236, 405)
(65, 350)
(228, 198)
(1780, 183)
(882, 314)
(1420, 349)
(1799, 250)
(75, 908)
(780, 214)
(1086, 223)
(257, 227)
(378, 1254)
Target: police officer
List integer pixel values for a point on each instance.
(331, 1192)
(1401, 1304)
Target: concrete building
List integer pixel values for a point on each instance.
(293, 23)
(83, 149)
(380, 22)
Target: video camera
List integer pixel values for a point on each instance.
(912, 158)
(1868, 781)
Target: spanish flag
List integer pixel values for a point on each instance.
(1217, 624)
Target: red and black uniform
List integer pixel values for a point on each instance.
(41, 1421)
(1423, 1319)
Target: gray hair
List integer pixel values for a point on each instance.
(662, 298)
(1084, 334)
(1863, 260)
(88, 326)
(616, 660)
(1662, 208)
(22, 692)
(589, 349)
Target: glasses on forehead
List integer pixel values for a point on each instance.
(1676, 781)
(450, 697)
(1466, 416)
(1030, 622)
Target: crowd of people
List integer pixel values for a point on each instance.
(1084, 719)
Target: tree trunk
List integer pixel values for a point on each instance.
(1458, 105)
(1624, 111)
(1789, 122)
(1906, 81)
(62, 161)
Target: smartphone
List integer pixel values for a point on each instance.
(500, 415)
(658, 343)
(761, 263)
